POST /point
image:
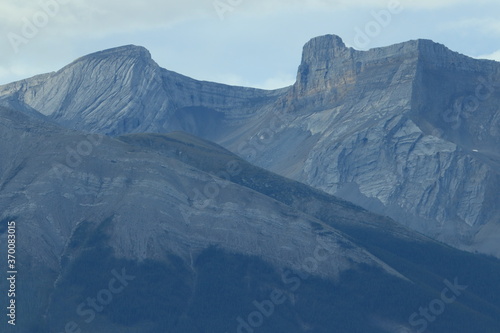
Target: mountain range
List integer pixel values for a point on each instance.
(342, 203)
(410, 131)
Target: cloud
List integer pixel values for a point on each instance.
(267, 6)
(47, 25)
(99, 19)
(484, 25)
(14, 71)
(492, 56)
(96, 17)
(78, 27)
(275, 82)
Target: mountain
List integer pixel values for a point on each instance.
(123, 90)
(170, 232)
(410, 131)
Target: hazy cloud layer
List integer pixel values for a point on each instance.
(254, 42)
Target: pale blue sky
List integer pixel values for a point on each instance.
(243, 42)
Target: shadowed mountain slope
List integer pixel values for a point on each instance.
(187, 237)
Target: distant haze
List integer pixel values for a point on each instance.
(240, 42)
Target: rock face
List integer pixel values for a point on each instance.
(411, 131)
(124, 91)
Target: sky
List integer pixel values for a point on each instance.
(255, 43)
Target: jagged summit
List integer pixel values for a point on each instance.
(323, 48)
(322, 64)
(330, 70)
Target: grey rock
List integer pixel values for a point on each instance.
(51, 184)
(411, 131)
(86, 205)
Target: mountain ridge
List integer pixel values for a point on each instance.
(388, 129)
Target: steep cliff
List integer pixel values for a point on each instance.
(123, 90)
(379, 132)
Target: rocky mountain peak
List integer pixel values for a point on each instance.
(126, 51)
(76, 90)
(327, 69)
(122, 64)
(323, 49)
